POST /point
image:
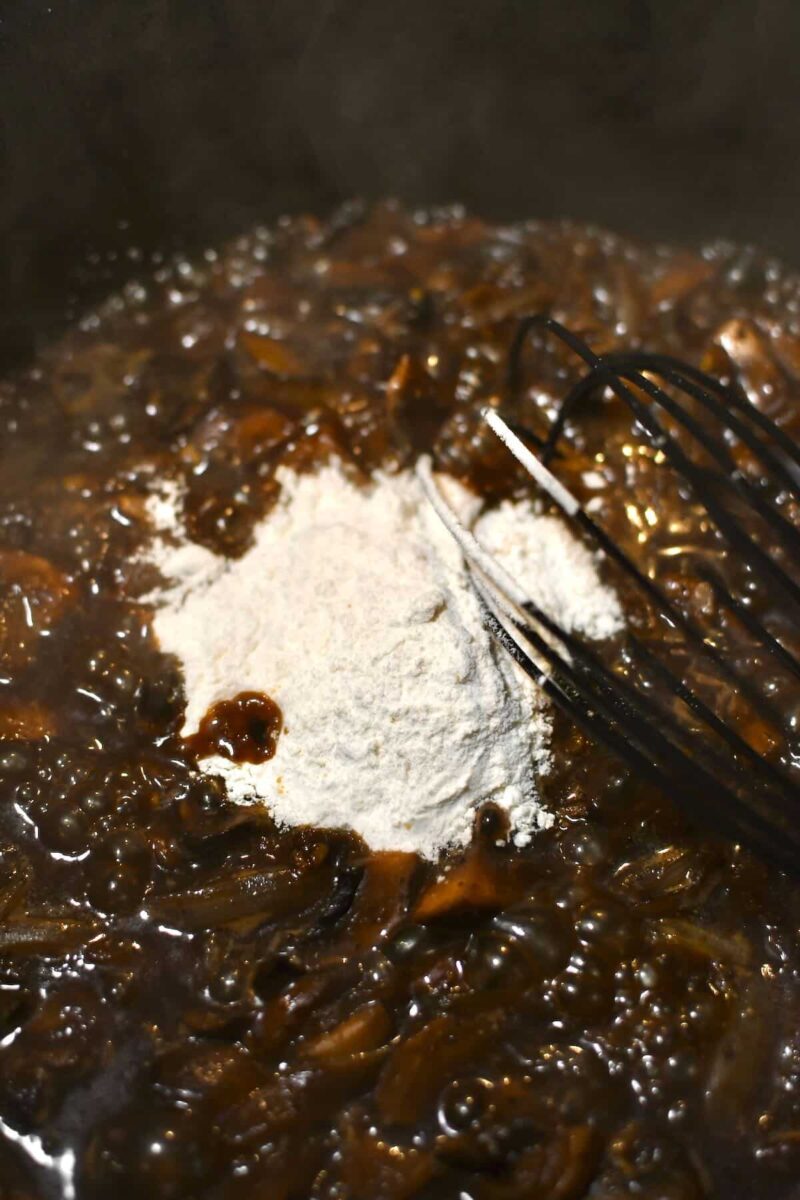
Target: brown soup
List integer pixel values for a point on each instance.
(196, 1005)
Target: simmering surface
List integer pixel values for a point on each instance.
(195, 1005)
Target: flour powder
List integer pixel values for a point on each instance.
(353, 610)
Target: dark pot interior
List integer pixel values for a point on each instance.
(149, 123)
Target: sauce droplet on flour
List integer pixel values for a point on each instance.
(244, 729)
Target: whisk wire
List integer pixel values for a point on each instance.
(726, 404)
(651, 715)
(604, 714)
(618, 690)
(572, 508)
(732, 477)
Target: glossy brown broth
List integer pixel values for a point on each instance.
(197, 1005)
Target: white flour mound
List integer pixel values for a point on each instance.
(353, 610)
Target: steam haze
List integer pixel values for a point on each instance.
(188, 121)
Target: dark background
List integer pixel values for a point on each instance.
(188, 120)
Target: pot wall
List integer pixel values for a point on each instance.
(189, 120)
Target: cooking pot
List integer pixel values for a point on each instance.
(130, 127)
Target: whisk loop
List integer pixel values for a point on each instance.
(655, 717)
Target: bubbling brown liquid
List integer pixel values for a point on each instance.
(198, 1005)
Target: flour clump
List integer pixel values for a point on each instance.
(353, 611)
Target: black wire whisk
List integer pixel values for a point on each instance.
(654, 715)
